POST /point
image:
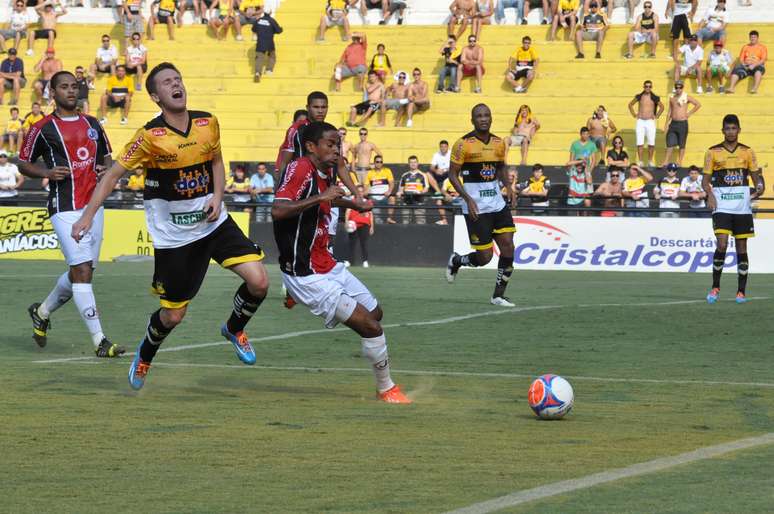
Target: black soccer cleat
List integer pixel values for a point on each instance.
(39, 325)
(108, 350)
(452, 268)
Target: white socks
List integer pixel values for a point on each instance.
(83, 294)
(60, 295)
(375, 350)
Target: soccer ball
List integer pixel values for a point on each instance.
(551, 396)
(350, 226)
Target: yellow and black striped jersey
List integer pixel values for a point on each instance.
(479, 161)
(729, 173)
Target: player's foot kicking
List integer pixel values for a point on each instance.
(39, 325)
(740, 297)
(502, 301)
(452, 267)
(393, 395)
(242, 346)
(288, 302)
(106, 349)
(138, 371)
(712, 297)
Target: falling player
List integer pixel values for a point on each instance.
(74, 150)
(727, 168)
(476, 172)
(301, 213)
(183, 197)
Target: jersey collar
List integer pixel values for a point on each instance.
(176, 131)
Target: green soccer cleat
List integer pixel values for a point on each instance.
(40, 326)
(109, 350)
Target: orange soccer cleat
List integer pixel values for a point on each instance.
(393, 395)
(289, 302)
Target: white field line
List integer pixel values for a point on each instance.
(604, 477)
(442, 321)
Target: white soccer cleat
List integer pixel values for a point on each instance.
(451, 269)
(502, 301)
(365, 264)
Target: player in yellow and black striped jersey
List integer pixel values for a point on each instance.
(183, 196)
(728, 168)
(477, 172)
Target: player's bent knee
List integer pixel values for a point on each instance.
(484, 256)
(172, 317)
(81, 273)
(377, 313)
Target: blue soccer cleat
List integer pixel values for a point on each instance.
(242, 346)
(138, 371)
(712, 297)
(740, 297)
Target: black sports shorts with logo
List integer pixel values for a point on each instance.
(741, 226)
(179, 272)
(481, 230)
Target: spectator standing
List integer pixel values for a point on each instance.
(593, 28)
(105, 61)
(335, 15)
(645, 31)
(634, 192)
(471, 63)
(692, 189)
(360, 227)
(82, 102)
(693, 56)
(751, 63)
(522, 65)
(32, 117)
(262, 189)
(380, 63)
(12, 74)
(352, 62)
(363, 151)
(441, 161)
(374, 101)
(136, 58)
(535, 188)
(713, 25)
(667, 191)
(46, 66)
(265, 27)
(10, 178)
(131, 13)
(462, 13)
(117, 94)
(451, 56)
(419, 97)
(397, 99)
(238, 186)
(17, 26)
(682, 14)
(617, 158)
(163, 13)
(583, 159)
(516, 5)
(412, 189)
(600, 127)
(718, 67)
(676, 126)
(346, 146)
(482, 16)
(379, 184)
(48, 18)
(524, 128)
(12, 136)
(566, 16)
(611, 193)
(649, 108)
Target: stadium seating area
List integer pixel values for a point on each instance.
(254, 116)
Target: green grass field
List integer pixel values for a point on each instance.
(302, 432)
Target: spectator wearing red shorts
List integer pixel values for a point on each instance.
(471, 63)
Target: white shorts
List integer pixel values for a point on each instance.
(640, 38)
(88, 248)
(321, 292)
(334, 223)
(331, 21)
(645, 129)
(690, 72)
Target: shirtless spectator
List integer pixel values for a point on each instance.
(441, 161)
(352, 62)
(12, 76)
(522, 65)
(131, 14)
(335, 15)
(611, 192)
(482, 16)
(451, 55)
(524, 128)
(373, 103)
(649, 108)
(682, 13)
(593, 28)
(46, 66)
(346, 146)
(105, 61)
(163, 13)
(693, 56)
(645, 31)
(462, 13)
(17, 26)
(136, 58)
(751, 63)
(471, 63)
(600, 128)
(48, 17)
(713, 25)
(535, 189)
(566, 16)
(634, 192)
(676, 126)
(363, 151)
(718, 67)
(397, 99)
(419, 97)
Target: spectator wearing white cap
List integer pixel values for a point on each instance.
(10, 178)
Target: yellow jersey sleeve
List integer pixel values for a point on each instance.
(458, 152)
(136, 153)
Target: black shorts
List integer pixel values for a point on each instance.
(163, 16)
(677, 134)
(742, 72)
(519, 74)
(373, 4)
(133, 71)
(480, 231)
(740, 226)
(363, 107)
(179, 272)
(680, 24)
(116, 103)
(43, 33)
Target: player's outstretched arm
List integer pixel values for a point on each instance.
(283, 208)
(102, 191)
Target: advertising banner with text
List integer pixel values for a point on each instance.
(623, 244)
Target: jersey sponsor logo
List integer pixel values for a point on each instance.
(135, 146)
(192, 182)
(166, 158)
(92, 134)
(734, 178)
(186, 145)
(488, 172)
(158, 132)
(82, 153)
(187, 218)
(202, 122)
(487, 193)
(732, 196)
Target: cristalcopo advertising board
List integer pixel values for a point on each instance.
(623, 244)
